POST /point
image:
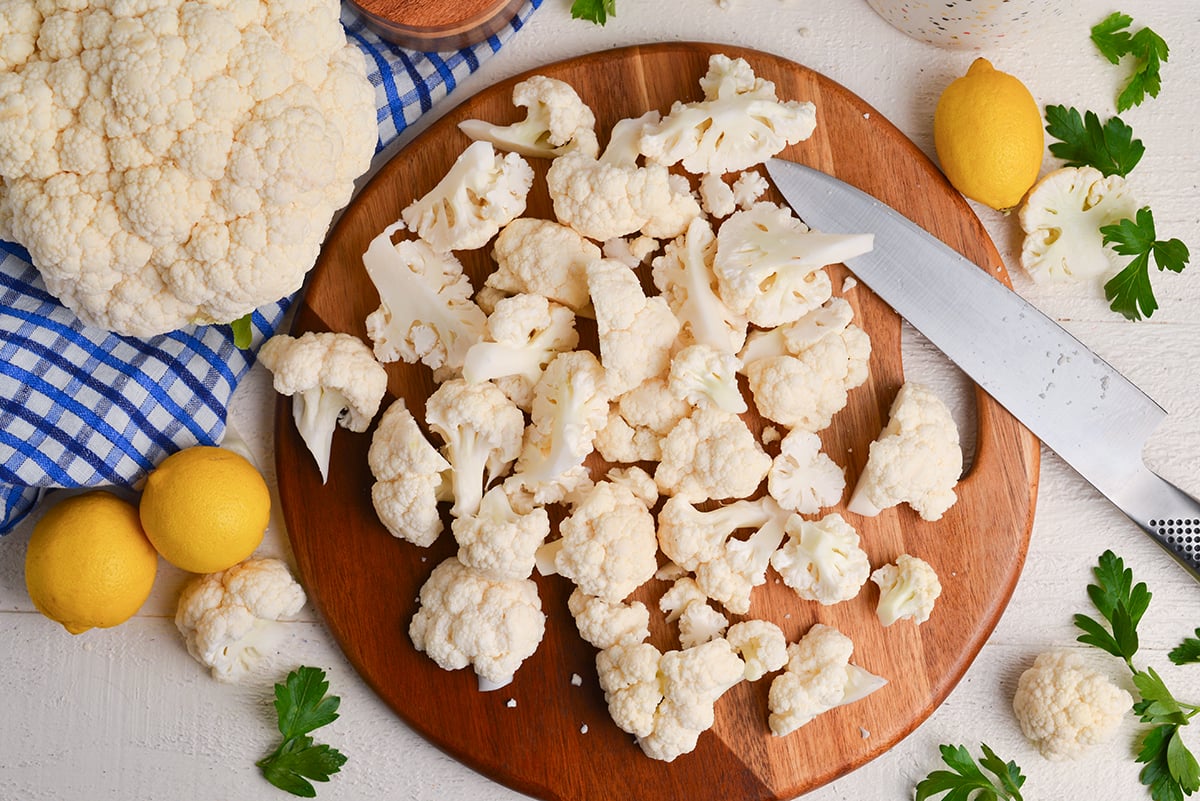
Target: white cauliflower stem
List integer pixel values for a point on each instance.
(916, 459)
(570, 404)
(1064, 706)
(175, 163)
(333, 379)
(410, 477)
(556, 122)
(227, 618)
(470, 617)
(907, 589)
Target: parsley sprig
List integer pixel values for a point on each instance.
(1171, 771)
(1187, 652)
(966, 778)
(597, 11)
(1149, 50)
(1109, 147)
(302, 706)
(1129, 292)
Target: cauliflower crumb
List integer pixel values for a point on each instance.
(576, 680)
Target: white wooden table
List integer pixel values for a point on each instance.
(127, 714)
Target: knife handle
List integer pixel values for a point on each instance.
(1169, 515)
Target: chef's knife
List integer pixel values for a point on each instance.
(1070, 398)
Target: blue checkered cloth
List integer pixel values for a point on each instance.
(81, 407)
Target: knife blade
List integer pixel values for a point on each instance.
(1071, 399)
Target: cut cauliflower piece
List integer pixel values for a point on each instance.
(426, 313)
(604, 624)
(227, 618)
(748, 188)
(818, 677)
(741, 565)
(470, 617)
(524, 332)
(410, 477)
(1064, 706)
(686, 604)
(739, 123)
(716, 196)
(907, 590)
(802, 477)
(761, 645)
(542, 257)
(638, 421)
(333, 378)
(711, 455)
(822, 560)
(557, 121)
(703, 375)
(915, 460)
(771, 267)
(1062, 217)
(683, 275)
(666, 700)
(637, 481)
(570, 404)
(482, 431)
(636, 332)
(608, 546)
(498, 540)
(689, 536)
(172, 164)
(482, 192)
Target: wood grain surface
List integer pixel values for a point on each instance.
(437, 25)
(364, 582)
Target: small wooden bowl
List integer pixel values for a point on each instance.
(437, 25)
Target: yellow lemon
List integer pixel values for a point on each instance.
(89, 565)
(205, 508)
(987, 130)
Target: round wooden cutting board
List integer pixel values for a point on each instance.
(556, 741)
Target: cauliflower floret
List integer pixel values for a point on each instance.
(748, 188)
(605, 625)
(1063, 705)
(226, 618)
(603, 200)
(711, 454)
(410, 477)
(482, 431)
(637, 481)
(701, 375)
(498, 540)
(636, 332)
(916, 459)
(333, 379)
(741, 565)
(800, 376)
(761, 645)
(907, 589)
(822, 560)
(481, 193)
(608, 546)
(666, 700)
(1062, 218)
(470, 617)
(570, 404)
(716, 196)
(686, 604)
(683, 275)
(802, 477)
(556, 122)
(771, 267)
(541, 257)
(638, 421)
(739, 123)
(426, 313)
(524, 332)
(818, 678)
(689, 537)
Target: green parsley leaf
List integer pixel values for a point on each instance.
(1157, 705)
(302, 705)
(1121, 602)
(966, 780)
(1187, 652)
(1129, 292)
(297, 761)
(597, 11)
(1147, 48)
(243, 332)
(1110, 147)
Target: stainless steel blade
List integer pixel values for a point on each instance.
(1074, 401)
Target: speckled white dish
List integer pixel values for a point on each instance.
(969, 24)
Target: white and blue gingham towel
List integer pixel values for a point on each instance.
(82, 407)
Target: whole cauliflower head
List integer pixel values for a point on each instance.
(175, 163)
(227, 618)
(1063, 705)
(471, 617)
(916, 459)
